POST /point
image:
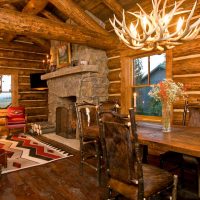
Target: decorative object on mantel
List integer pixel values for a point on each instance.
(167, 92)
(156, 32)
(46, 62)
(64, 55)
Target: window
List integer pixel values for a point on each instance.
(147, 71)
(5, 91)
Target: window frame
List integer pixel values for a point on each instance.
(14, 86)
(168, 75)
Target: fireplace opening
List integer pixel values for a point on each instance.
(66, 118)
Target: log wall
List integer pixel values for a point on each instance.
(186, 69)
(20, 60)
(114, 75)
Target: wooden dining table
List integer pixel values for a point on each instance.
(181, 139)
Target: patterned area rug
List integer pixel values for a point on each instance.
(24, 151)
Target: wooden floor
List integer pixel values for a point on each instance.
(59, 180)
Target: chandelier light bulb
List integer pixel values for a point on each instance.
(180, 24)
(133, 30)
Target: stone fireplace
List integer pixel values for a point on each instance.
(69, 85)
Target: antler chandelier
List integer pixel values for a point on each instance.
(155, 31)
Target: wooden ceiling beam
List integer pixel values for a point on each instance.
(32, 7)
(78, 15)
(24, 24)
(50, 16)
(115, 7)
(2, 2)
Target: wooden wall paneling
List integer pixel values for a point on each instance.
(114, 63)
(35, 102)
(4, 53)
(114, 88)
(186, 66)
(33, 95)
(114, 75)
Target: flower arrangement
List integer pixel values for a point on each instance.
(167, 91)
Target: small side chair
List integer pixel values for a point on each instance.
(126, 173)
(16, 118)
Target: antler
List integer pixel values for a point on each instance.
(154, 27)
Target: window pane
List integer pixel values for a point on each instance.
(146, 105)
(140, 71)
(157, 68)
(5, 91)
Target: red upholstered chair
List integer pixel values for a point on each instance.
(16, 118)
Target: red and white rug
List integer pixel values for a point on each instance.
(24, 151)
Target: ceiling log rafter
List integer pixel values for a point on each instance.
(78, 15)
(33, 7)
(38, 27)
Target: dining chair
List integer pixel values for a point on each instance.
(193, 108)
(126, 173)
(90, 148)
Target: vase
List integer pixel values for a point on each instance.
(166, 117)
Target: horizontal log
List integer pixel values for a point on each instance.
(186, 66)
(33, 96)
(37, 118)
(114, 75)
(114, 88)
(191, 84)
(114, 63)
(20, 64)
(23, 80)
(112, 53)
(188, 48)
(37, 111)
(21, 55)
(33, 103)
(24, 47)
(25, 24)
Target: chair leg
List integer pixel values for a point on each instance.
(98, 167)
(81, 157)
(174, 189)
(109, 193)
(198, 176)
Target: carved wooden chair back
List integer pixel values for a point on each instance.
(87, 117)
(121, 149)
(194, 114)
(109, 105)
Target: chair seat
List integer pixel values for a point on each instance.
(10, 126)
(155, 179)
(92, 131)
(16, 121)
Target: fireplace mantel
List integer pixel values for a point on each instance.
(69, 71)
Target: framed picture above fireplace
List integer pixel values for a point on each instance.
(64, 55)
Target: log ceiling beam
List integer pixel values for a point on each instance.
(2, 2)
(50, 16)
(32, 8)
(115, 7)
(24, 24)
(78, 15)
